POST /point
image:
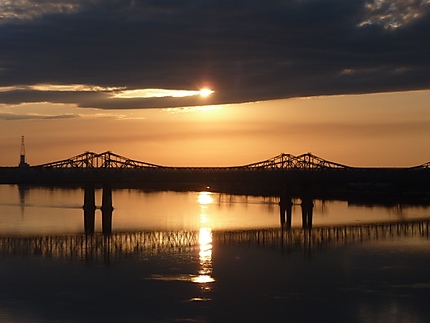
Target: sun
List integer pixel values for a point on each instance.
(205, 92)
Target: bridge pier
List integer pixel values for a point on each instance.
(107, 210)
(89, 197)
(107, 198)
(286, 210)
(89, 220)
(90, 208)
(307, 212)
(107, 222)
(285, 206)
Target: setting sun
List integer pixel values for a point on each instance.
(205, 92)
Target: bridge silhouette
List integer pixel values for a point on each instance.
(298, 175)
(108, 159)
(111, 160)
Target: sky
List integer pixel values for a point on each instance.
(216, 82)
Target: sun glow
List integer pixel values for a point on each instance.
(205, 198)
(205, 92)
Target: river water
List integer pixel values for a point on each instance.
(209, 257)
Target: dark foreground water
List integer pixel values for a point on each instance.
(205, 257)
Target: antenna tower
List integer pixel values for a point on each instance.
(22, 162)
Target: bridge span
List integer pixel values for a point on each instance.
(297, 174)
(284, 161)
(111, 160)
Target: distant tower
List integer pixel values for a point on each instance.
(22, 162)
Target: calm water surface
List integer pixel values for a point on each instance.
(209, 257)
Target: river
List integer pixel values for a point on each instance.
(208, 257)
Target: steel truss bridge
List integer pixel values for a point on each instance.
(111, 160)
(136, 244)
(282, 161)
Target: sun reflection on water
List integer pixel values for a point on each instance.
(205, 257)
(205, 198)
(205, 242)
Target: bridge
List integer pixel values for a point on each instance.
(111, 160)
(284, 161)
(298, 174)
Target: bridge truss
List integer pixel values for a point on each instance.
(288, 161)
(103, 160)
(110, 160)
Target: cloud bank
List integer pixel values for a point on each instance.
(105, 54)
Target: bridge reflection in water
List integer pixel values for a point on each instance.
(136, 244)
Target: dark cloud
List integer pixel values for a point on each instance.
(21, 116)
(244, 50)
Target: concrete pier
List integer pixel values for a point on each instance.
(89, 197)
(107, 198)
(107, 210)
(89, 220)
(286, 210)
(285, 206)
(307, 212)
(107, 221)
(90, 209)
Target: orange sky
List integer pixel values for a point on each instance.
(388, 129)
